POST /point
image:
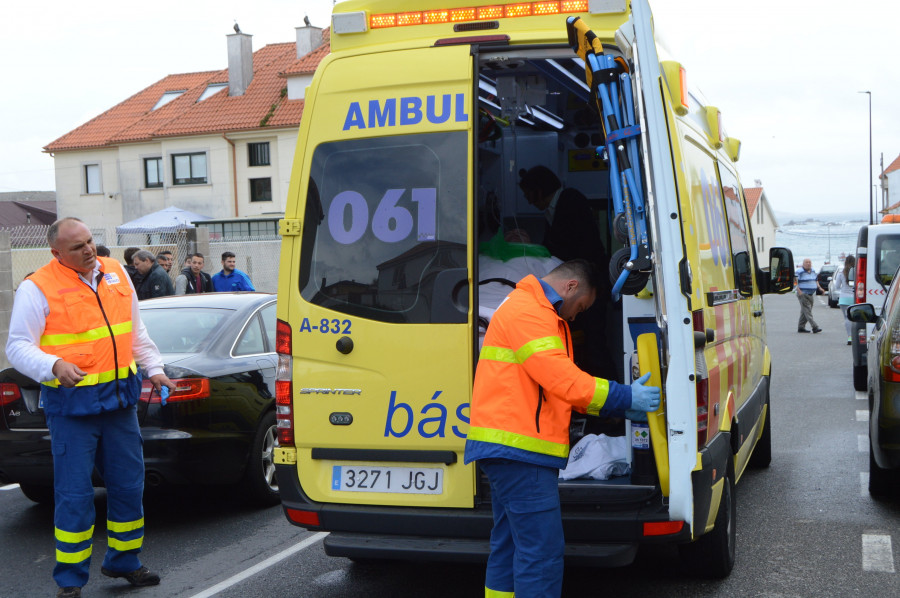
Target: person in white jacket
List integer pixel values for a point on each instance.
(845, 291)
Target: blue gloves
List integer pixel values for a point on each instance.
(644, 398)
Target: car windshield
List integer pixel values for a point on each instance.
(182, 330)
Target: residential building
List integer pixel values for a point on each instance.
(762, 221)
(890, 185)
(218, 143)
(27, 208)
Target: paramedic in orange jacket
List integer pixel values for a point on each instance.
(526, 387)
(76, 329)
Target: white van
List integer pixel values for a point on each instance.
(877, 260)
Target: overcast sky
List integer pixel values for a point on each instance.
(785, 75)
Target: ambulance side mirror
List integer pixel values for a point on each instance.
(780, 277)
(862, 313)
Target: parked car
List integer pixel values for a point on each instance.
(883, 385)
(217, 427)
(833, 295)
(826, 273)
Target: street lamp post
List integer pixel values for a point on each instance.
(871, 211)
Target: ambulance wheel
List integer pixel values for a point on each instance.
(42, 495)
(635, 282)
(712, 555)
(620, 228)
(259, 480)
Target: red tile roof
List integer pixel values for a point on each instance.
(895, 165)
(263, 104)
(307, 64)
(753, 195)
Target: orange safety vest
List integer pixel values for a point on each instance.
(527, 385)
(92, 330)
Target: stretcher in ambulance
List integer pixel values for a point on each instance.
(397, 245)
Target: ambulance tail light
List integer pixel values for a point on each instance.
(304, 518)
(186, 389)
(284, 385)
(9, 393)
(702, 378)
(860, 285)
(662, 528)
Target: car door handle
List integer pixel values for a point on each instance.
(757, 314)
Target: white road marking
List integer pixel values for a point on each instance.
(260, 566)
(9, 487)
(877, 554)
(860, 395)
(862, 441)
(862, 415)
(864, 483)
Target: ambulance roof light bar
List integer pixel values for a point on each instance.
(457, 15)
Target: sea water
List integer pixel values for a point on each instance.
(821, 240)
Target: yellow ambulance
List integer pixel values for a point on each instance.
(404, 227)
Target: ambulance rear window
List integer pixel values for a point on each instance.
(887, 258)
(384, 217)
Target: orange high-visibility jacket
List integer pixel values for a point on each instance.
(526, 384)
(93, 330)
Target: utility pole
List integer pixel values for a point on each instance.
(871, 212)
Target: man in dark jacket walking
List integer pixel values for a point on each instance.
(156, 282)
(193, 279)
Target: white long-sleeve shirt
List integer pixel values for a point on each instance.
(29, 318)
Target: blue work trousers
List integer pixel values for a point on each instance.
(527, 541)
(112, 442)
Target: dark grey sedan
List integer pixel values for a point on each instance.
(217, 427)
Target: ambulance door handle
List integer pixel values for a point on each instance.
(757, 314)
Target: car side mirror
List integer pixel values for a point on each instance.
(780, 277)
(862, 313)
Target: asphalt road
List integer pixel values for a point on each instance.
(806, 525)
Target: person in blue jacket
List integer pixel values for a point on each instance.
(230, 278)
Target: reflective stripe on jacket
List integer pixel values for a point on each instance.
(526, 384)
(92, 330)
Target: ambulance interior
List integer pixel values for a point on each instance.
(534, 108)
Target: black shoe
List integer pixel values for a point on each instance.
(849, 342)
(803, 330)
(817, 330)
(138, 577)
(69, 592)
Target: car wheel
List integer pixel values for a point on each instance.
(712, 555)
(42, 495)
(880, 480)
(259, 481)
(860, 375)
(762, 453)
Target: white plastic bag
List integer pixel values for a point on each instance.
(597, 457)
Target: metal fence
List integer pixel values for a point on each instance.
(256, 255)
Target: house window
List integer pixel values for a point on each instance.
(92, 179)
(259, 153)
(153, 174)
(189, 169)
(759, 214)
(261, 189)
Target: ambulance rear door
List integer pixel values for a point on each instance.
(674, 311)
(381, 324)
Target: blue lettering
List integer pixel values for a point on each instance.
(354, 117)
(382, 118)
(410, 111)
(461, 115)
(445, 109)
(464, 418)
(304, 327)
(440, 420)
(392, 407)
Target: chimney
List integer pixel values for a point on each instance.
(240, 63)
(308, 39)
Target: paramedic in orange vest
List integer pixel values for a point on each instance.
(526, 387)
(76, 328)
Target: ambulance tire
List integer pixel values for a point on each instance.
(635, 282)
(860, 377)
(762, 453)
(42, 495)
(259, 480)
(712, 555)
